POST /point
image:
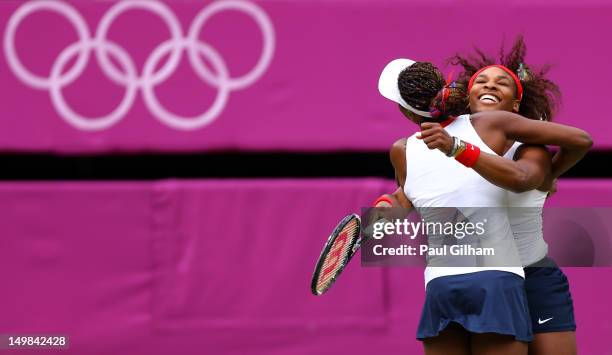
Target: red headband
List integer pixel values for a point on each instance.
(519, 87)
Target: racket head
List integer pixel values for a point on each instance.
(336, 254)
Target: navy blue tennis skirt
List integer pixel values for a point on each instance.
(481, 302)
(548, 294)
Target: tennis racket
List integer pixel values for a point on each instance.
(338, 251)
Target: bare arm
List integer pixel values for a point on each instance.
(563, 160)
(529, 171)
(533, 165)
(573, 142)
(516, 127)
(397, 155)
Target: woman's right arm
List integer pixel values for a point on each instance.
(534, 166)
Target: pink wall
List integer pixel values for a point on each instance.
(220, 267)
(316, 89)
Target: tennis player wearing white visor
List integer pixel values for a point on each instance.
(477, 308)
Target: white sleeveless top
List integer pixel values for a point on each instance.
(525, 214)
(435, 180)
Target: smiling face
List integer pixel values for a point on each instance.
(493, 89)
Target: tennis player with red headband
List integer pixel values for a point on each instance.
(462, 318)
(514, 87)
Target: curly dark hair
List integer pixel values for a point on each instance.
(541, 97)
(422, 86)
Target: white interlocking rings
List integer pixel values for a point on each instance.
(127, 74)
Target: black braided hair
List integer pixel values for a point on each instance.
(422, 86)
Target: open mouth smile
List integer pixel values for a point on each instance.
(489, 98)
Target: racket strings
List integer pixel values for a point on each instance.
(339, 252)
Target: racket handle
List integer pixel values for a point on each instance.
(367, 233)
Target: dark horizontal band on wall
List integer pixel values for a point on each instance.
(229, 165)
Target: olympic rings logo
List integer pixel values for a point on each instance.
(129, 77)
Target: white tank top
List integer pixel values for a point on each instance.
(525, 214)
(435, 180)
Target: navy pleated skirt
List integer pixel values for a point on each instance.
(481, 302)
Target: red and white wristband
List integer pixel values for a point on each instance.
(464, 152)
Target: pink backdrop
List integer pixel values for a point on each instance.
(221, 267)
(316, 89)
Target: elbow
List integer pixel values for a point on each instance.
(519, 188)
(584, 141)
(587, 141)
(521, 182)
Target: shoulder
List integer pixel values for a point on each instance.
(401, 143)
(397, 155)
(398, 150)
(495, 117)
(531, 150)
(493, 126)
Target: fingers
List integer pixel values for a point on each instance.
(426, 134)
(430, 139)
(435, 136)
(378, 213)
(430, 128)
(434, 139)
(435, 143)
(428, 125)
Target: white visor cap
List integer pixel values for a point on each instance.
(387, 84)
